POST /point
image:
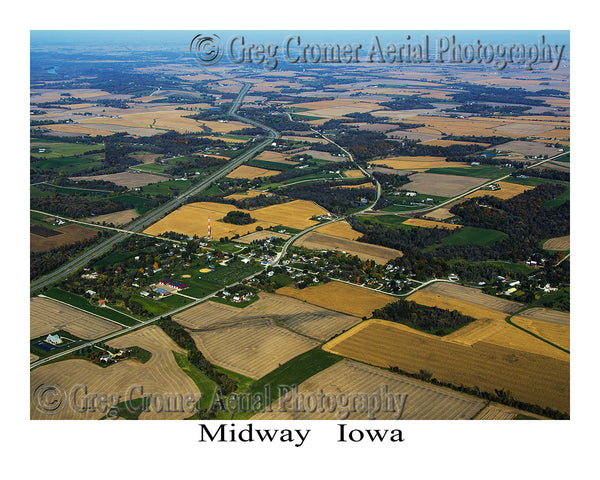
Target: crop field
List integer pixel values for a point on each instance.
(419, 222)
(558, 334)
(316, 240)
(558, 243)
(192, 219)
(442, 185)
(341, 297)
(69, 165)
(423, 402)
(304, 139)
(48, 316)
(126, 179)
(269, 156)
(247, 341)
(337, 108)
(65, 235)
(247, 194)
(245, 171)
(89, 129)
(439, 214)
(497, 412)
(527, 148)
(58, 149)
(116, 218)
(477, 126)
(507, 190)
(470, 295)
(340, 229)
(353, 174)
(51, 95)
(261, 235)
(415, 163)
(547, 315)
(324, 156)
(530, 377)
(159, 375)
(376, 127)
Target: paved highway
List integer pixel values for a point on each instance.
(153, 216)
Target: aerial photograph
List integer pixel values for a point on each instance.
(255, 225)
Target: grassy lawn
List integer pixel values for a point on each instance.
(166, 188)
(474, 236)
(514, 267)
(139, 203)
(69, 165)
(80, 302)
(387, 220)
(60, 149)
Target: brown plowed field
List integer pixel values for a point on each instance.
(68, 234)
(159, 376)
(365, 251)
(442, 185)
(558, 243)
(116, 218)
(423, 400)
(47, 316)
(530, 377)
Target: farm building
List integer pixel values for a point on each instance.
(173, 284)
(161, 291)
(54, 339)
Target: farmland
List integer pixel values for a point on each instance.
(506, 190)
(423, 402)
(244, 171)
(442, 185)
(65, 235)
(340, 297)
(126, 179)
(316, 240)
(531, 378)
(558, 243)
(47, 316)
(159, 375)
(419, 222)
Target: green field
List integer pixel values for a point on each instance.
(387, 220)
(406, 207)
(62, 149)
(205, 385)
(474, 236)
(80, 302)
(269, 165)
(166, 188)
(558, 201)
(139, 203)
(69, 165)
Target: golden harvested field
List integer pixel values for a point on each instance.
(244, 171)
(340, 229)
(362, 185)
(316, 240)
(48, 316)
(471, 295)
(148, 98)
(497, 412)
(247, 194)
(558, 243)
(116, 218)
(126, 179)
(75, 128)
(558, 334)
(341, 297)
(507, 190)
(416, 163)
(346, 377)
(448, 143)
(442, 185)
(159, 376)
(419, 222)
(66, 235)
(353, 173)
(439, 214)
(192, 219)
(531, 378)
(478, 126)
(527, 148)
(263, 234)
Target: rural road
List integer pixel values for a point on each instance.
(154, 215)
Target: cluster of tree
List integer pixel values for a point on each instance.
(391, 181)
(483, 109)
(273, 119)
(194, 163)
(493, 141)
(330, 196)
(430, 319)
(91, 184)
(238, 218)
(543, 173)
(251, 131)
(411, 102)
(486, 94)
(76, 206)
